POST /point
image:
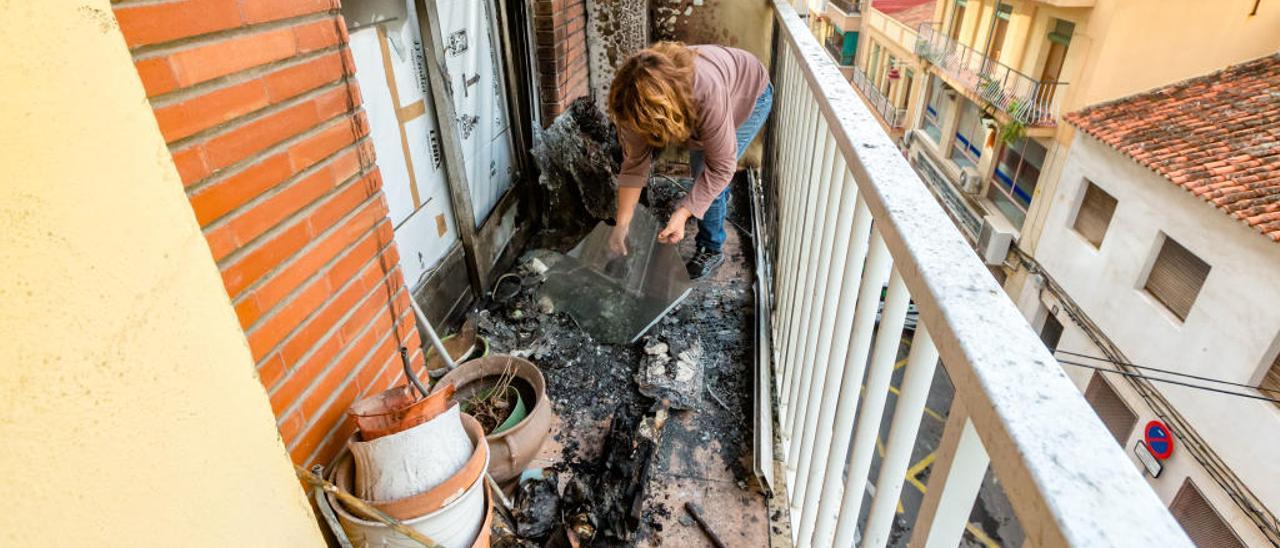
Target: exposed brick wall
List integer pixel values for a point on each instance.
(261, 113)
(561, 40)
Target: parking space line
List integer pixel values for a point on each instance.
(980, 536)
(919, 467)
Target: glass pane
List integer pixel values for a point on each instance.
(618, 298)
(1011, 211)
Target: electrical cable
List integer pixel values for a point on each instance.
(1169, 381)
(1168, 372)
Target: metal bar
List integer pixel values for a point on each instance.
(803, 306)
(762, 411)
(902, 437)
(874, 275)
(804, 133)
(874, 394)
(953, 484)
(812, 127)
(478, 263)
(836, 422)
(821, 312)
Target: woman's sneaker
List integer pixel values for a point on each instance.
(703, 263)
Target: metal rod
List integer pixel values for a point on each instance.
(431, 334)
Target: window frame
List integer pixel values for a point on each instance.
(1014, 189)
(1153, 262)
(1080, 205)
(933, 114)
(964, 143)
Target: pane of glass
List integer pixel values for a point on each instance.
(618, 298)
(1011, 211)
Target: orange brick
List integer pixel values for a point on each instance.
(254, 264)
(155, 23)
(202, 112)
(276, 288)
(259, 134)
(300, 342)
(222, 197)
(192, 167)
(271, 370)
(247, 226)
(291, 426)
(260, 11)
(321, 145)
(216, 58)
(268, 332)
(317, 35)
(157, 76)
(336, 441)
(330, 212)
(292, 81)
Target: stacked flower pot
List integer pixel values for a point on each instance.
(421, 461)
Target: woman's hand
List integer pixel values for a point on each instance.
(674, 232)
(618, 238)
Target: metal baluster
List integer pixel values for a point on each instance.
(804, 194)
(953, 484)
(804, 299)
(838, 217)
(837, 371)
(902, 437)
(874, 394)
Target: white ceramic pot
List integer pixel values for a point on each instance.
(411, 461)
(457, 524)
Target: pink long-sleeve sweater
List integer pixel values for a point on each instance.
(726, 84)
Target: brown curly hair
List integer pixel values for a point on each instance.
(652, 94)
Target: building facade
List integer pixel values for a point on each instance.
(1161, 248)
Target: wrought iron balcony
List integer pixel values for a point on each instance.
(893, 117)
(854, 240)
(1030, 101)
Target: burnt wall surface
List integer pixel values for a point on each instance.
(615, 30)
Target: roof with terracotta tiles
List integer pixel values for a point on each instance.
(908, 12)
(1217, 136)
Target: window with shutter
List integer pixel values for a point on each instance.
(1117, 416)
(1095, 213)
(1176, 278)
(1200, 521)
(1271, 381)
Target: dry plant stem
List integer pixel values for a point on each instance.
(361, 506)
(490, 404)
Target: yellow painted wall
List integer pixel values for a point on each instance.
(129, 408)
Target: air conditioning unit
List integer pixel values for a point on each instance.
(993, 243)
(969, 181)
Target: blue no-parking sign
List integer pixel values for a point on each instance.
(1159, 439)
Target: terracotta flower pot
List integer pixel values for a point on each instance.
(455, 514)
(512, 449)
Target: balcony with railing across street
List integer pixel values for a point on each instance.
(1032, 102)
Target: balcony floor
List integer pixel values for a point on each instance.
(705, 454)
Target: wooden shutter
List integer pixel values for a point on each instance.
(1205, 527)
(1119, 419)
(1176, 278)
(1095, 213)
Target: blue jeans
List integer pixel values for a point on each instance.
(711, 233)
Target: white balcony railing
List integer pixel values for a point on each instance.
(1030, 101)
(893, 116)
(848, 216)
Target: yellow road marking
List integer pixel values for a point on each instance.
(935, 415)
(980, 536)
(879, 447)
(894, 390)
(919, 467)
(900, 363)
